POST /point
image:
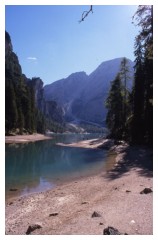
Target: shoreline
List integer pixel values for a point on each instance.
(115, 195)
(26, 138)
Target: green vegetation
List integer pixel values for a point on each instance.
(142, 118)
(114, 104)
(22, 116)
(130, 115)
(19, 97)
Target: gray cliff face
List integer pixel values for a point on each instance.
(83, 97)
(39, 96)
(49, 108)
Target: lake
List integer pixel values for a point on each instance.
(39, 166)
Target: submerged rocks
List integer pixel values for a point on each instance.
(32, 228)
(13, 189)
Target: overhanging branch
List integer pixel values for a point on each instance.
(85, 14)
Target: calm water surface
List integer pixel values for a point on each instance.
(38, 166)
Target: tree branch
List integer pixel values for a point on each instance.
(85, 14)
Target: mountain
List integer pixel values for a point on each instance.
(65, 91)
(26, 110)
(77, 100)
(82, 97)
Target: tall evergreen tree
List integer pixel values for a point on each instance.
(114, 104)
(11, 111)
(125, 77)
(142, 122)
(138, 94)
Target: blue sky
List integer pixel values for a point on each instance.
(52, 44)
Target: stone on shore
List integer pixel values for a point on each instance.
(146, 191)
(32, 227)
(53, 214)
(112, 231)
(96, 214)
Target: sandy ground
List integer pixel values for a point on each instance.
(26, 138)
(114, 194)
(92, 143)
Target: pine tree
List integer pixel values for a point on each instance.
(114, 104)
(138, 94)
(125, 77)
(142, 121)
(11, 112)
(21, 121)
(32, 100)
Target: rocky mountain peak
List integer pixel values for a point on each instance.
(8, 44)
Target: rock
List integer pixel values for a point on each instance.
(127, 191)
(10, 203)
(84, 202)
(108, 143)
(146, 191)
(53, 214)
(13, 189)
(132, 222)
(96, 214)
(32, 227)
(112, 231)
(101, 223)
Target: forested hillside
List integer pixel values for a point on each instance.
(19, 96)
(26, 110)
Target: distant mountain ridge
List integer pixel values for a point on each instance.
(82, 97)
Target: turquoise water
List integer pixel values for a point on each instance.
(38, 166)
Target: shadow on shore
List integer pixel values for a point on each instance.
(134, 157)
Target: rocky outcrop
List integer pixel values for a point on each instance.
(37, 85)
(50, 109)
(8, 44)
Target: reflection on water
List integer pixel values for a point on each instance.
(38, 166)
(42, 186)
